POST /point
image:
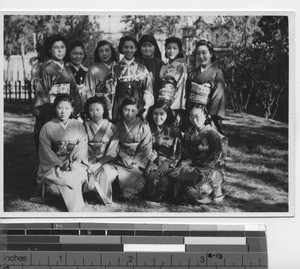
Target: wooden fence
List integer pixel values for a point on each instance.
(18, 91)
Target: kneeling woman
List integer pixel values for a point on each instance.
(103, 143)
(166, 139)
(63, 148)
(135, 147)
(199, 177)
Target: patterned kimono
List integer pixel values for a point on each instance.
(103, 145)
(178, 71)
(53, 79)
(99, 81)
(135, 143)
(62, 149)
(216, 103)
(78, 73)
(199, 173)
(166, 147)
(133, 79)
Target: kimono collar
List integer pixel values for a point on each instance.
(98, 126)
(59, 64)
(203, 69)
(177, 62)
(64, 125)
(128, 62)
(109, 66)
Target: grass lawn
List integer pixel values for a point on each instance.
(256, 168)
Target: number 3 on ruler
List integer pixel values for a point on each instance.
(202, 259)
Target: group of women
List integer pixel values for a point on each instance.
(137, 128)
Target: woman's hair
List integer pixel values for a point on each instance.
(103, 43)
(179, 44)
(148, 39)
(74, 44)
(166, 107)
(129, 100)
(49, 43)
(123, 40)
(95, 100)
(63, 97)
(209, 46)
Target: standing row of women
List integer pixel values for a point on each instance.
(150, 161)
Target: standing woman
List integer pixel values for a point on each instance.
(135, 147)
(148, 54)
(55, 77)
(99, 77)
(208, 77)
(133, 79)
(173, 76)
(103, 142)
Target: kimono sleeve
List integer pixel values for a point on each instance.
(90, 83)
(180, 96)
(147, 87)
(177, 150)
(78, 105)
(214, 148)
(145, 147)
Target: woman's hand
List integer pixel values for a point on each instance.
(126, 159)
(148, 168)
(163, 168)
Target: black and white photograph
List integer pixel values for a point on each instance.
(164, 114)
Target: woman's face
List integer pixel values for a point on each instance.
(197, 117)
(147, 50)
(105, 54)
(63, 111)
(203, 56)
(77, 56)
(130, 112)
(172, 50)
(58, 51)
(129, 50)
(159, 116)
(96, 112)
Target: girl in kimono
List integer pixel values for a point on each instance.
(55, 77)
(199, 176)
(99, 80)
(173, 77)
(135, 147)
(166, 138)
(63, 148)
(208, 75)
(148, 54)
(103, 143)
(76, 55)
(133, 79)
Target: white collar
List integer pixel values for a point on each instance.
(203, 69)
(128, 62)
(59, 64)
(98, 126)
(64, 125)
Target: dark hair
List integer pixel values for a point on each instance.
(74, 44)
(63, 97)
(209, 46)
(123, 40)
(148, 39)
(103, 43)
(166, 107)
(49, 43)
(179, 44)
(95, 100)
(129, 100)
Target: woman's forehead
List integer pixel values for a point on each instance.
(196, 110)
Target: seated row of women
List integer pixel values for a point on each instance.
(140, 74)
(150, 159)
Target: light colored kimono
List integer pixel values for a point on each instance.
(136, 143)
(62, 145)
(103, 145)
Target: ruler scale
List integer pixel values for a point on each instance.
(132, 246)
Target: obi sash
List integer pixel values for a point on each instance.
(63, 148)
(58, 88)
(129, 88)
(130, 148)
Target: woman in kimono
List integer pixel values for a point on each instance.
(99, 80)
(166, 138)
(173, 77)
(63, 149)
(103, 143)
(55, 77)
(133, 79)
(135, 147)
(148, 54)
(208, 75)
(199, 176)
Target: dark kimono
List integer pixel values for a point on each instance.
(103, 145)
(61, 146)
(199, 174)
(132, 80)
(78, 73)
(166, 148)
(135, 143)
(53, 79)
(153, 65)
(216, 99)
